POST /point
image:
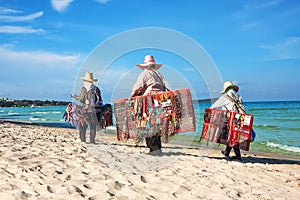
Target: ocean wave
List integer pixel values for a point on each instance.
(281, 127)
(293, 129)
(265, 126)
(268, 109)
(13, 113)
(284, 147)
(56, 112)
(39, 112)
(35, 118)
(287, 119)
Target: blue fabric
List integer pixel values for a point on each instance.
(253, 135)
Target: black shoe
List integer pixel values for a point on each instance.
(237, 158)
(156, 152)
(227, 157)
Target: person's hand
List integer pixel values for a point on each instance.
(135, 93)
(74, 96)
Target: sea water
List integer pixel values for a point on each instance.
(277, 124)
(44, 115)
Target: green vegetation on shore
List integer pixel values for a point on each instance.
(28, 103)
(205, 100)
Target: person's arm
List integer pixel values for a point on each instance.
(163, 82)
(138, 87)
(82, 97)
(218, 103)
(222, 104)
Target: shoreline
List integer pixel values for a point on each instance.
(272, 157)
(47, 124)
(252, 152)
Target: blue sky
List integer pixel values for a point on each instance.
(45, 45)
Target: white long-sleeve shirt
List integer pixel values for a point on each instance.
(224, 103)
(151, 81)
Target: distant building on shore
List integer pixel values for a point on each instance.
(6, 99)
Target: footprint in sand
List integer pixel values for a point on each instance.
(181, 191)
(49, 189)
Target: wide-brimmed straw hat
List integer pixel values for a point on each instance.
(148, 61)
(89, 77)
(228, 84)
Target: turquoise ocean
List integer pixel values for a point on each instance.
(277, 124)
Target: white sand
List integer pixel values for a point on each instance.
(51, 163)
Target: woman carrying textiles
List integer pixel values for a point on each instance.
(150, 81)
(90, 98)
(230, 101)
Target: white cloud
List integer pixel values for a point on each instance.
(250, 15)
(11, 15)
(37, 74)
(286, 49)
(37, 59)
(19, 30)
(60, 5)
(19, 18)
(102, 1)
(263, 5)
(8, 11)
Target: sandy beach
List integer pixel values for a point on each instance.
(39, 162)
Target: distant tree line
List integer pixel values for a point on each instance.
(205, 100)
(27, 103)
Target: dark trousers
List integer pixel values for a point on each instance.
(153, 142)
(236, 151)
(92, 120)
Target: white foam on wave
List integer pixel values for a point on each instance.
(39, 112)
(13, 113)
(56, 112)
(284, 147)
(34, 119)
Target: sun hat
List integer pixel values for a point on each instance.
(148, 61)
(89, 77)
(228, 84)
